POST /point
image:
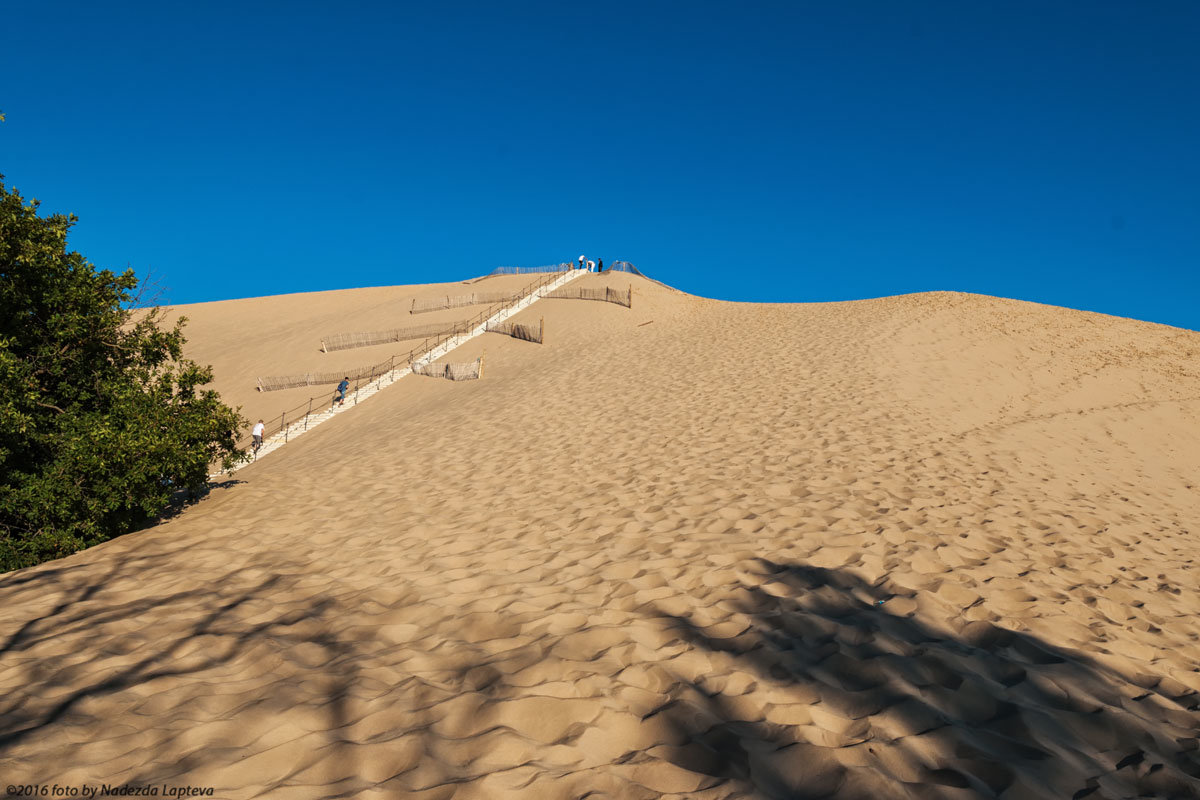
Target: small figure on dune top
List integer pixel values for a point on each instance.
(339, 399)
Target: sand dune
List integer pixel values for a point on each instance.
(936, 545)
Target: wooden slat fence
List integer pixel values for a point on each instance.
(421, 305)
(606, 294)
(349, 341)
(520, 330)
(452, 371)
(563, 267)
(276, 382)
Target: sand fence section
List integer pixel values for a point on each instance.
(520, 330)
(368, 373)
(316, 410)
(421, 305)
(606, 294)
(350, 341)
(451, 371)
(613, 266)
(564, 266)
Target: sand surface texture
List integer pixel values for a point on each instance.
(931, 546)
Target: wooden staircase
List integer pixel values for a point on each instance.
(302, 426)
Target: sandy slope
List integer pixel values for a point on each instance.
(937, 545)
(281, 335)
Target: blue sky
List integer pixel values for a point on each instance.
(788, 151)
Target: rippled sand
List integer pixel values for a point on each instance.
(938, 545)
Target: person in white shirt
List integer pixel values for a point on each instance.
(591, 265)
(257, 433)
(581, 262)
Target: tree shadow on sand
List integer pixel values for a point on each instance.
(829, 693)
(817, 685)
(87, 671)
(183, 499)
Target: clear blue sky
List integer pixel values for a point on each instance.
(793, 151)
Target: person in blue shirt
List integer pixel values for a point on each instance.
(339, 399)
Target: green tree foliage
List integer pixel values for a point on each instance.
(102, 419)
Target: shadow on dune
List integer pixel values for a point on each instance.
(864, 702)
(177, 502)
(98, 664)
(184, 499)
(826, 688)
